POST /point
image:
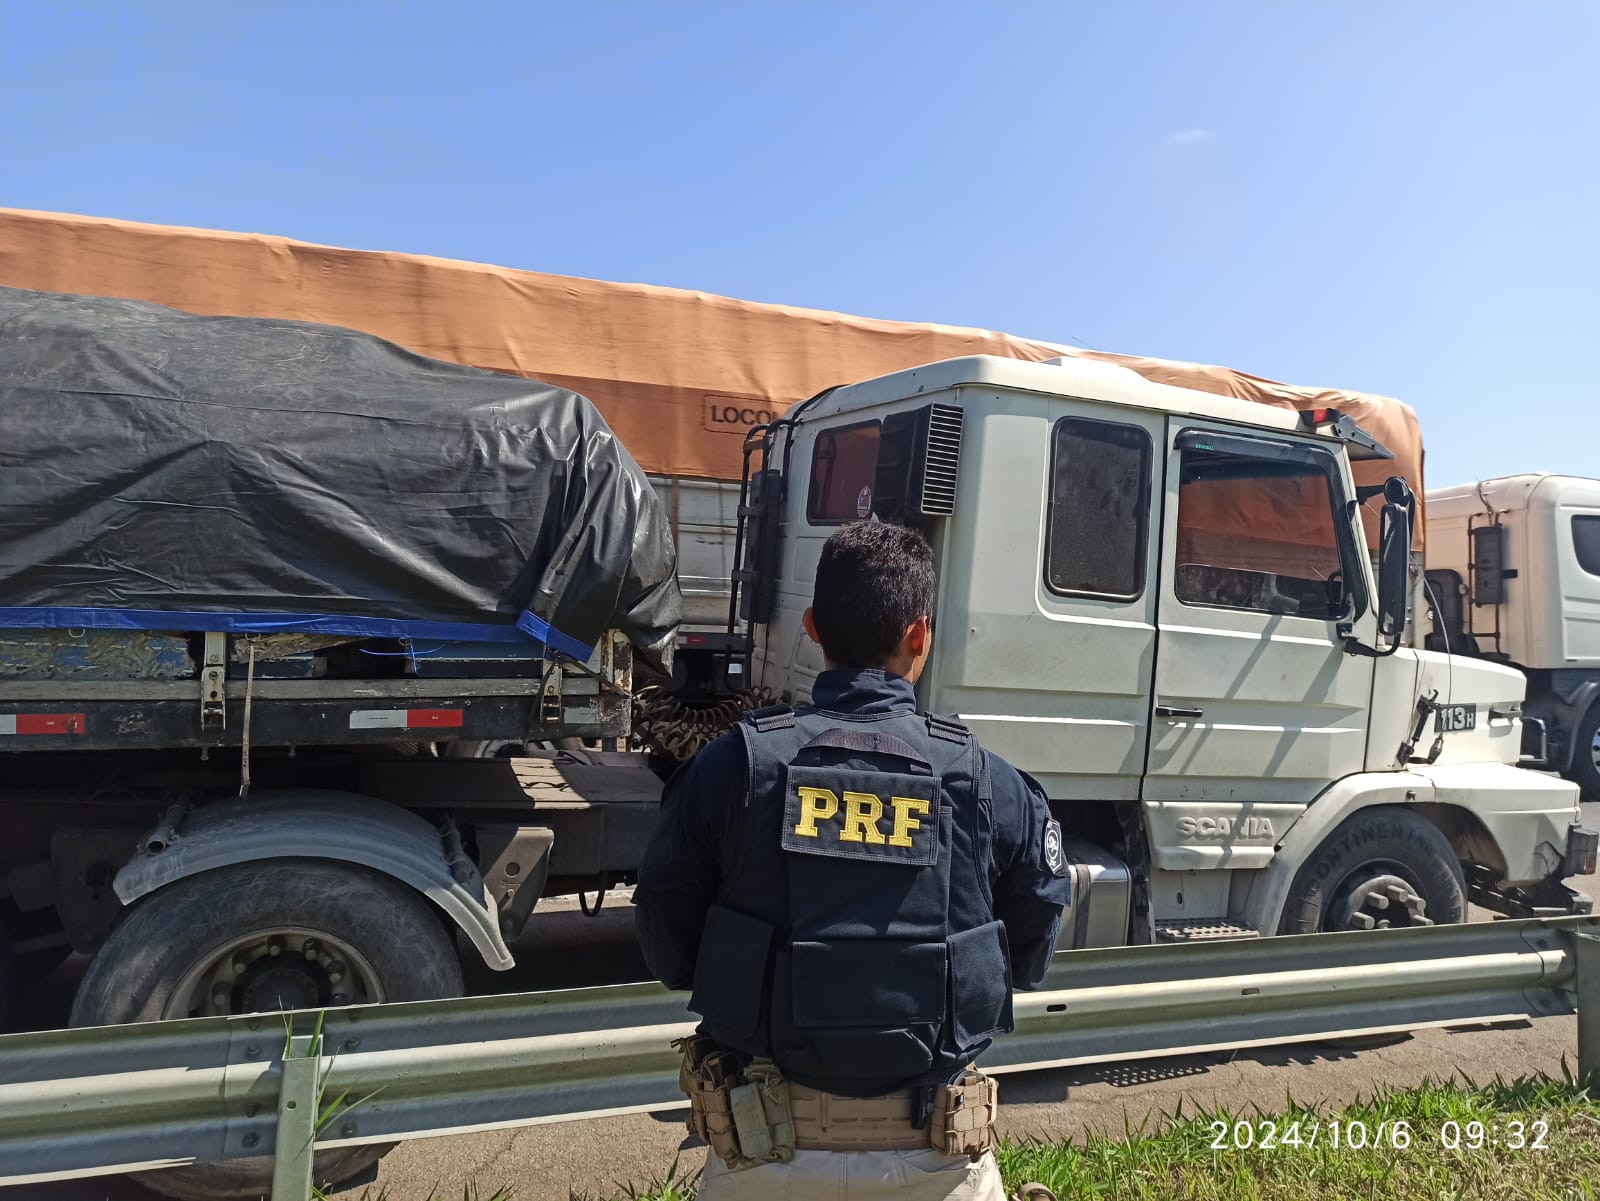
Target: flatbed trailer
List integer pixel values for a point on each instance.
(100, 771)
(277, 603)
(225, 704)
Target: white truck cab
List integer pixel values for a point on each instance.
(1160, 604)
(1514, 577)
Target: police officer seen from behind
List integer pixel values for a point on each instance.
(851, 889)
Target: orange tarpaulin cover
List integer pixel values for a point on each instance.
(679, 375)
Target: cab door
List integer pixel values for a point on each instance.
(1257, 705)
(1045, 643)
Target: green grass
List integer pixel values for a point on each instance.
(676, 1185)
(1173, 1159)
(1178, 1159)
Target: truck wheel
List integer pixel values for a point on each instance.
(1380, 868)
(1585, 768)
(277, 934)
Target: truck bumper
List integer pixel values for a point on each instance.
(1582, 846)
(1544, 898)
(1528, 814)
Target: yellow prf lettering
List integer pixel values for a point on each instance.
(904, 823)
(816, 804)
(861, 813)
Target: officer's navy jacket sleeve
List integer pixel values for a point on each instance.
(680, 872)
(1030, 883)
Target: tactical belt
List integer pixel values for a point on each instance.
(829, 1122)
(749, 1114)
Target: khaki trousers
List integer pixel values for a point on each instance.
(856, 1176)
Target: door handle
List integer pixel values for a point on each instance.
(1177, 712)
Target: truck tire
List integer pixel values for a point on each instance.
(1584, 770)
(173, 952)
(1380, 867)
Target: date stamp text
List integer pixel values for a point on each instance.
(1359, 1135)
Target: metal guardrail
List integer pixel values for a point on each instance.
(120, 1098)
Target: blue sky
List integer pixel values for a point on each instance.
(1393, 197)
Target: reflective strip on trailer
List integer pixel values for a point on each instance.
(41, 723)
(406, 719)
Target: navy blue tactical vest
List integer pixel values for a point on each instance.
(855, 941)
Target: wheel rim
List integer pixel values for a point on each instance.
(1594, 749)
(1377, 896)
(287, 967)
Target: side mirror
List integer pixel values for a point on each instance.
(1394, 559)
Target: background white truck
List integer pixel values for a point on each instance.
(1160, 604)
(1514, 577)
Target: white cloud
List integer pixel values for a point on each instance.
(1187, 137)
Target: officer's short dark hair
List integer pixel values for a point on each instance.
(874, 580)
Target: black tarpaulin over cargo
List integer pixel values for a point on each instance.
(163, 470)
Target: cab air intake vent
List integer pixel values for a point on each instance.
(941, 462)
(919, 458)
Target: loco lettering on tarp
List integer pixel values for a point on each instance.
(736, 414)
(866, 815)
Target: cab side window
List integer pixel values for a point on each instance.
(844, 468)
(1098, 509)
(1586, 542)
(1258, 534)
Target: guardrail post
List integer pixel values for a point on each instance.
(297, 1118)
(1586, 957)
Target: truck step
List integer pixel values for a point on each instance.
(1214, 929)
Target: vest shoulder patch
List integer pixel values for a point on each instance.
(874, 816)
(1055, 856)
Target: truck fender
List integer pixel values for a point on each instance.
(1269, 886)
(315, 824)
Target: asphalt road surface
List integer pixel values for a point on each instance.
(601, 1157)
